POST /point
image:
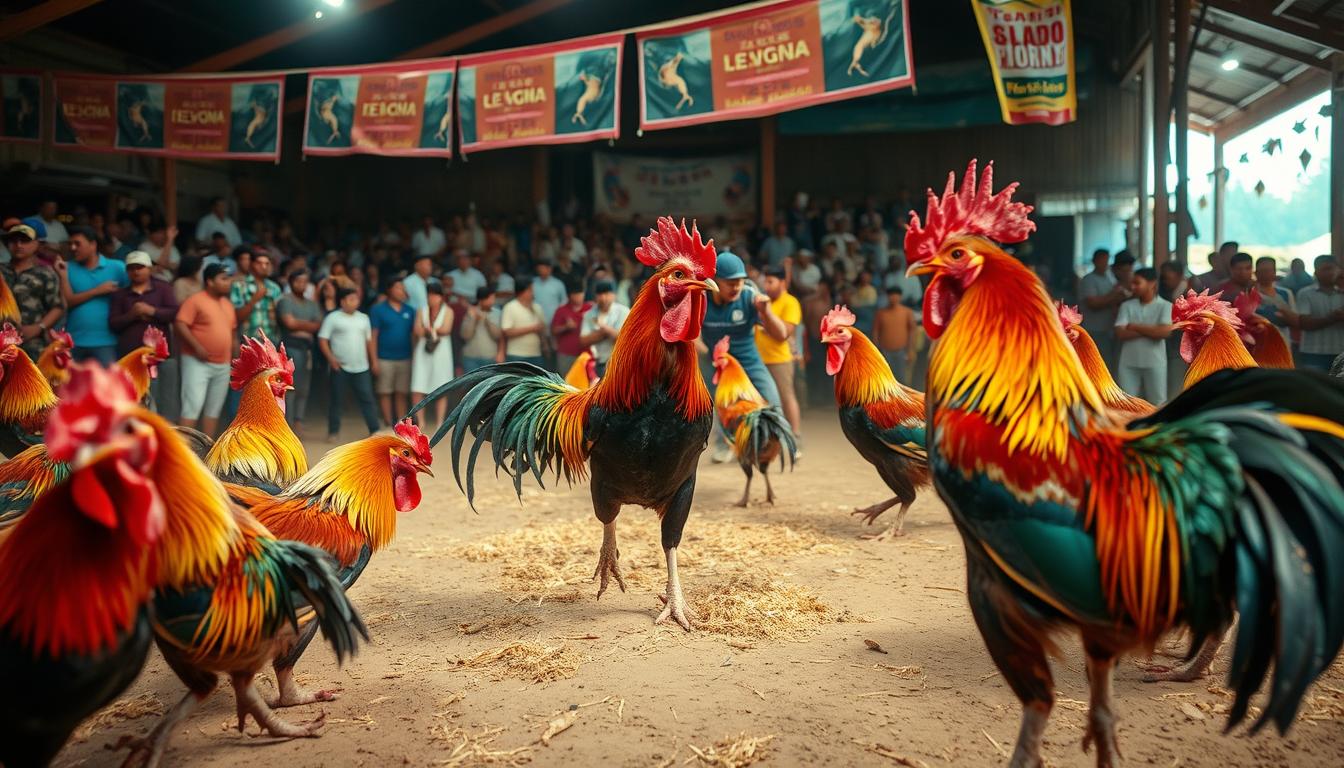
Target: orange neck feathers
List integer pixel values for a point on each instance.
(25, 396)
(1222, 348)
(1112, 395)
(865, 377)
(259, 444)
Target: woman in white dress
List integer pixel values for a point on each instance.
(432, 361)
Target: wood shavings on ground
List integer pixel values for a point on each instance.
(476, 748)
(129, 708)
(759, 607)
(733, 753)
(531, 661)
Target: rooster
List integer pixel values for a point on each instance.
(259, 448)
(142, 363)
(1227, 500)
(1213, 337)
(1268, 348)
(228, 596)
(26, 399)
(1115, 398)
(641, 428)
(54, 362)
(76, 576)
(583, 373)
(882, 418)
(347, 505)
(759, 429)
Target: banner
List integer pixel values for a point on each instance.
(704, 188)
(236, 118)
(21, 118)
(383, 109)
(767, 60)
(561, 93)
(1030, 47)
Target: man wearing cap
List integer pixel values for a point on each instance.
(147, 301)
(602, 323)
(205, 325)
(734, 311)
(87, 285)
(36, 288)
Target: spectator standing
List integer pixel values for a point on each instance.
(601, 324)
(429, 240)
(54, 230)
(566, 330)
(36, 288)
(217, 220)
(1142, 326)
(779, 246)
(392, 323)
(432, 363)
(549, 291)
(300, 318)
(481, 333)
(205, 325)
(1321, 310)
(346, 340)
(417, 282)
(87, 285)
(466, 278)
(1100, 294)
(1297, 277)
(894, 334)
(147, 302)
(524, 328)
(778, 354)
(1277, 304)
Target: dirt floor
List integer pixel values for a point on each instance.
(486, 636)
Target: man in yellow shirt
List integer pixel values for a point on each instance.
(779, 355)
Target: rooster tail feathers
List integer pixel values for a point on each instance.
(310, 572)
(758, 428)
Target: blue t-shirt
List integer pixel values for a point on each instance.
(87, 323)
(736, 320)
(394, 330)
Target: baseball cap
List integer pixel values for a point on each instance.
(21, 230)
(729, 266)
(39, 229)
(138, 259)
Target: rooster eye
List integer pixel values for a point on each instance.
(958, 254)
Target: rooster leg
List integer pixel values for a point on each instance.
(871, 513)
(147, 752)
(1196, 669)
(746, 492)
(674, 604)
(1100, 716)
(608, 560)
(250, 703)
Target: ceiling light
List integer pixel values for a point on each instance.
(317, 14)
(1230, 64)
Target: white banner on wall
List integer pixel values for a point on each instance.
(701, 188)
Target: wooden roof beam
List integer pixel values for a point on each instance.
(1267, 47)
(1309, 83)
(1326, 36)
(41, 15)
(255, 49)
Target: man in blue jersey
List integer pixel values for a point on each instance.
(735, 311)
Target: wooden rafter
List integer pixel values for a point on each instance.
(41, 15)
(253, 49)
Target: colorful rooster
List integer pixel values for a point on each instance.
(26, 399)
(1115, 398)
(882, 418)
(347, 505)
(583, 373)
(759, 429)
(142, 363)
(1268, 347)
(54, 362)
(1227, 500)
(259, 448)
(641, 429)
(1214, 338)
(76, 575)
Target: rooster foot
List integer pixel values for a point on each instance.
(608, 561)
(893, 531)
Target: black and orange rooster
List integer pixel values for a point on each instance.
(26, 399)
(759, 431)
(1115, 398)
(347, 505)
(882, 418)
(76, 576)
(641, 428)
(259, 448)
(1227, 500)
(54, 361)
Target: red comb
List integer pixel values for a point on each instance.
(972, 211)
(9, 335)
(1187, 306)
(407, 431)
(89, 403)
(721, 348)
(257, 355)
(669, 241)
(1069, 316)
(840, 317)
(63, 337)
(155, 340)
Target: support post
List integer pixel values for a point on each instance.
(1337, 156)
(1181, 99)
(170, 190)
(1219, 193)
(768, 172)
(1161, 128)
